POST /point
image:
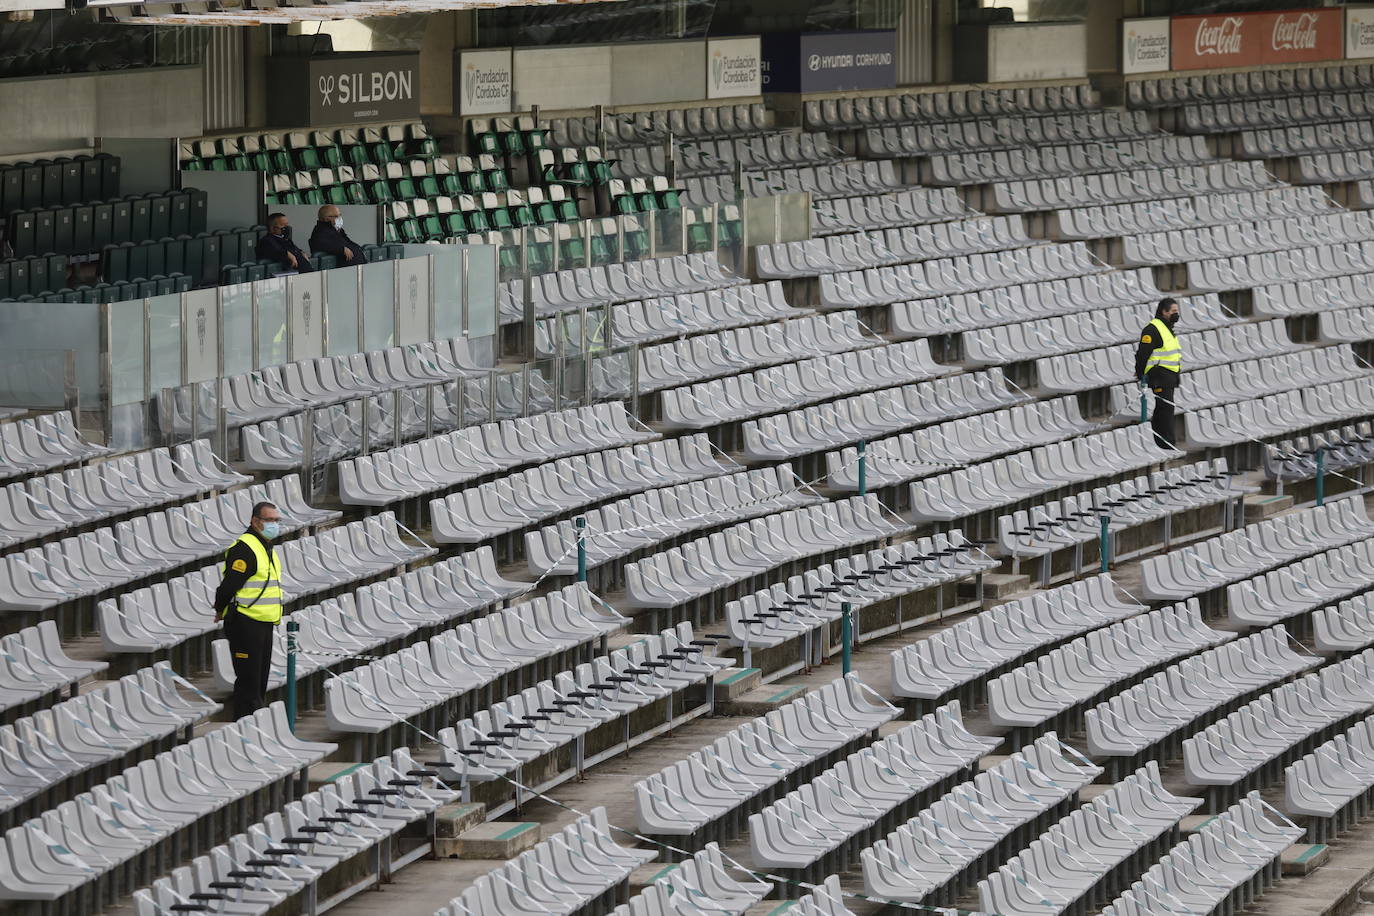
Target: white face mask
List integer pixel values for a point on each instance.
(338, 222)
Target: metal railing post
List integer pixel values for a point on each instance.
(863, 467)
(291, 628)
(1321, 475)
(581, 524)
(846, 637)
(1104, 543)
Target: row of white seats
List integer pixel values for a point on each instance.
(922, 106)
(1302, 586)
(45, 505)
(1239, 747)
(1245, 380)
(1306, 263)
(907, 207)
(834, 811)
(112, 557)
(923, 857)
(1136, 217)
(561, 875)
(841, 179)
(455, 458)
(358, 622)
(1078, 671)
(1250, 551)
(275, 391)
(693, 359)
(429, 674)
(1165, 704)
(1322, 84)
(862, 250)
(908, 140)
(1076, 159)
(552, 714)
(701, 884)
(1175, 246)
(1076, 520)
(33, 665)
(781, 388)
(933, 449)
(1015, 304)
(1067, 861)
(1053, 335)
(91, 837)
(1347, 627)
(958, 274)
(1037, 194)
(1331, 167)
(808, 602)
(627, 281)
(1030, 474)
(1216, 868)
(646, 519)
(94, 729)
(1346, 449)
(864, 416)
(42, 443)
(1330, 784)
(978, 647)
(1090, 369)
(525, 498)
(288, 853)
(739, 768)
(646, 320)
(1279, 415)
(1347, 325)
(166, 614)
(1309, 296)
(673, 577)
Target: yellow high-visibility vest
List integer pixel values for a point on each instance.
(260, 597)
(1168, 355)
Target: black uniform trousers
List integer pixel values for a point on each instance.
(1162, 422)
(250, 645)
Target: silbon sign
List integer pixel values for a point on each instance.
(345, 89)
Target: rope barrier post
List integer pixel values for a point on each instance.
(846, 637)
(291, 628)
(581, 524)
(863, 467)
(1321, 475)
(1104, 544)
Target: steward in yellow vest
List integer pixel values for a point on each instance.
(249, 600)
(1158, 366)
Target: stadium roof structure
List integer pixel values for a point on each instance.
(280, 12)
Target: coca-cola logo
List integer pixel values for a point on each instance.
(1218, 37)
(1297, 33)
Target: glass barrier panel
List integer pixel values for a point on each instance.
(412, 309)
(379, 310)
(201, 339)
(698, 230)
(760, 220)
(481, 291)
(603, 241)
(635, 241)
(164, 341)
(448, 292)
(269, 298)
(126, 352)
(794, 217)
(669, 229)
(38, 379)
(236, 327)
(341, 295)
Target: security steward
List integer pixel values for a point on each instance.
(248, 601)
(1158, 364)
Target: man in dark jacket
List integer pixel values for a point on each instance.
(277, 245)
(1158, 364)
(330, 238)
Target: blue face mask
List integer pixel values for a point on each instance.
(271, 530)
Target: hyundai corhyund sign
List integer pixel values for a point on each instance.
(344, 89)
(829, 61)
(483, 82)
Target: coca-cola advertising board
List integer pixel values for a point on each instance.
(1251, 39)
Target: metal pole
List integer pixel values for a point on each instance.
(291, 628)
(846, 638)
(1321, 475)
(581, 523)
(863, 467)
(1144, 409)
(1104, 544)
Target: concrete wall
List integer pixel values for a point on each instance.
(642, 74)
(1021, 51)
(62, 112)
(563, 77)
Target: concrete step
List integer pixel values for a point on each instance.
(733, 683)
(493, 840)
(761, 700)
(1305, 858)
(1260, 507)
(997, 587)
